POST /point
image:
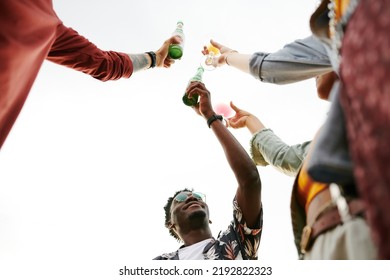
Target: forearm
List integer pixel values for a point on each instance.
(239, 61)
(140, 61)
(238, 159)
(248, 193)
(267, 148)
(73, 50)
(253, 124)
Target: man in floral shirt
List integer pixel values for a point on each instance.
(187, 214)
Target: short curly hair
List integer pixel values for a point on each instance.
(167, 209)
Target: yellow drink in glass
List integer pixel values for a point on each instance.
(213, 49)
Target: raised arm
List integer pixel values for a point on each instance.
(266, 147)
(248, 193)
(75, 51)
(296, 61)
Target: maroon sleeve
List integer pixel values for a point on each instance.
(73, 50)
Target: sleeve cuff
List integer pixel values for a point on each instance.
(257, 157)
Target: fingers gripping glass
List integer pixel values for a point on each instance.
(184, 195)
(209, 61)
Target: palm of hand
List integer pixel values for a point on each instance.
(238, 120)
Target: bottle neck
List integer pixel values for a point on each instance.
(179, 25)
(199, 74)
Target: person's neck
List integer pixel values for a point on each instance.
(196, 236)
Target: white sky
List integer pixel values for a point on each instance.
(88, 166)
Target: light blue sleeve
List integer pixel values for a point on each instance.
(268, 149)
(297, 61)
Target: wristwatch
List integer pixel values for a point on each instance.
(214, 118)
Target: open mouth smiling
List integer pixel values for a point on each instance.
(192, 203)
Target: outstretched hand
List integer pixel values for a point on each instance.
(240, 118)
(162, 57)
(244, 119)
(221, 60)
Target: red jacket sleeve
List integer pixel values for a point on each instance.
(73, 50)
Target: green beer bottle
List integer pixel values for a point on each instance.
(194, 99)
(176, 50)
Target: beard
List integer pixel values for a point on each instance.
(198, 217)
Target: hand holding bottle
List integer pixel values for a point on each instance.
(193, 99)
(162, 57)
(204, 107)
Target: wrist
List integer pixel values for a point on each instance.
(208, 114)
(213, 118)
(153, 59)
(254, 124)
(227, 55)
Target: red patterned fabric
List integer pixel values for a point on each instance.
(365, 72)
(31, 32)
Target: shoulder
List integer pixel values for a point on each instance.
(167, 256)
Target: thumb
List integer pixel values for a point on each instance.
(234, 107)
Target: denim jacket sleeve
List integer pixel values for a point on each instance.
(297, 61)
(268, 149)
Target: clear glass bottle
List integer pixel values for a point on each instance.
(176, 50)
(196, 78)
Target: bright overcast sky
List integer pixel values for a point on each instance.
(88, 166)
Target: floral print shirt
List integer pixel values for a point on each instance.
(237, 242)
